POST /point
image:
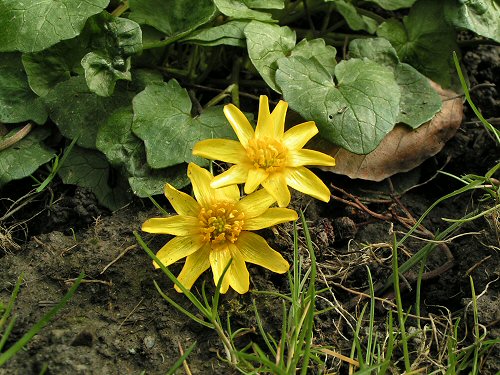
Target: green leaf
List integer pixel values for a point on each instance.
(480, 16)
(419, 101)
(78, 112)
(162, 119)
(265, 4)
(355, 20)
(24, 157)
(266, 44)
(230, 33)
(172, 17)
(125, 150)
(393, 4)
(34, 25)
(47, 68)
(319, 50)
(355, 114)
(240, 9)
(424, 40)
(17, 102)
(90, 169)
(102, 72)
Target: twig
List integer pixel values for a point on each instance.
(117, 258)
(184, 363)
(20, 134)
(130, 314)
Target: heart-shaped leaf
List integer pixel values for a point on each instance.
(419, 101)
(356, 113)
(162, 119)
(403, 148)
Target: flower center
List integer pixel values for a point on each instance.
(266, 153)
(220, 222)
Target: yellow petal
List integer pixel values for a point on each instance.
(200, 179)
(178, 248)
(182, 203)
(298, 158)
(255, 204)
(239, 278)
(195, 265)
(276, 186)
(229, 193)
(178, 225)
(237, 174)
(254, 179)
(221, 149)
(296, 137)
(255, 249)
(239, 123)
(219, 258)
(302, 179)
(278, 119)
(272, 216)
(264, 124)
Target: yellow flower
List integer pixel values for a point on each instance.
(215, 228)
(268, 156)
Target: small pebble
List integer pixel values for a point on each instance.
(149, 342)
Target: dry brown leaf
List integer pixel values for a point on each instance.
(403, 148)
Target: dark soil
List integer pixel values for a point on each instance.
(117, 323)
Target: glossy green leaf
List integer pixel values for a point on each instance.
(319, 50)
(90, 169)
(102, 72)
(24, 157)
(172, 17)
(265, 4)
(242, 10)
(78, 112)
(356, 113)
(480, 16)
(266, 44)
(17, 102)
(126, 151)
(424, 40)
(162, 119)
(419, 101)
(393, 4)
(47, 68)
(34, 25)
(230, 33)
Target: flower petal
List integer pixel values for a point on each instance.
(227, 193)
(272, 216)
(178, 248)
(278, 120)
(254, 179)
(255, 249)
(237, 174)
(298, 158)
(276, 186)
(239, 123)
(178, 225)
(302, 179)
(255, 204)
(219, 258)
(200, 179)
(239, 278)
(182, 203)
(264, 124)
(296, 137)
(221, 149)
(195, 265)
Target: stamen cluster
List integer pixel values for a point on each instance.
(220, 222)
(266, 153)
